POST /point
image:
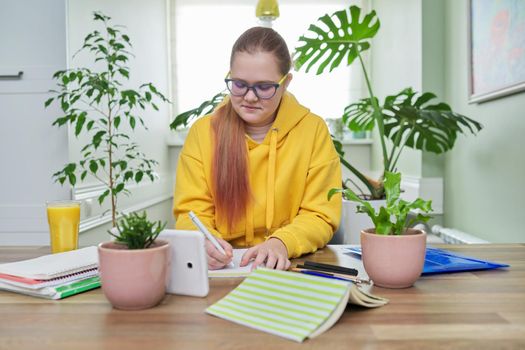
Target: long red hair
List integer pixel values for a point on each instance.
(230, 169)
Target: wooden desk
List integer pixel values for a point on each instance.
(469, 310)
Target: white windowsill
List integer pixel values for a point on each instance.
(175, 139)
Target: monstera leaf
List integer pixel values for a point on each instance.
(347, 38)
(359, 116)
(411, 121)
(206, 107)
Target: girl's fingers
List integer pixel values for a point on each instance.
(215, 254)
(271, 261)
(249, 255)
(260, 258)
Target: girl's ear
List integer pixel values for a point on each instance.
(287, 80)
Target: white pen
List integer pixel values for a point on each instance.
(207, 233)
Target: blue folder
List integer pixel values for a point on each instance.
(443, 261)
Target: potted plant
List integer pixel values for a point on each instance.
(406, 118)
(393, 253)
(134, 267)
(97, 104)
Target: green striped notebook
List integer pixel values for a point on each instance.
(289, 304)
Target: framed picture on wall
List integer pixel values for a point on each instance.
(496, 48)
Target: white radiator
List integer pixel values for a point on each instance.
(453, 236)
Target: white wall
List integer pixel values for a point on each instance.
(32, 40)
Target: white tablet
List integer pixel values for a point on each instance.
(189, 264)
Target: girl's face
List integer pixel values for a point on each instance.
(250, 69)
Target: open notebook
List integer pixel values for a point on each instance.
(53, 276)
(289, 304)
(236, 270)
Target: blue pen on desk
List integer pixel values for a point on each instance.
(330, 275)
(207, 234)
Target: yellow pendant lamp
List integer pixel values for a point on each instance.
(267, 11)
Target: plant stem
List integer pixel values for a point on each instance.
(396, 142)
(393, 164)
(360, 176)
(377, 113)
(110, 143)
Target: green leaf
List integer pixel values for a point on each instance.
(61, 121)
(48, 102)
(116, 122)
(103, 49)
(392, 187)
(80, 123)
(70, 168)
(345, 37)
(413, 122)
(206, 107)
(359, 116)
(93, 166)
(128, 175)
(103, 196)
(97, 138)
(119, 187)
(138, 176)
(72, 179)
(124, 72)
(132, 122)
(382, 223)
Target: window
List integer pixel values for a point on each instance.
(203, 32)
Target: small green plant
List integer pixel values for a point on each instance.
(137, 232)
(97, 104)
(392, 219)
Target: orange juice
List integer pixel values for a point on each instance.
(63, 218)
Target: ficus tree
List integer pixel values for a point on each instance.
(97, 103)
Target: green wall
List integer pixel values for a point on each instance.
(484, 174)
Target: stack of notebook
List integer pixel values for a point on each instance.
(53, 276)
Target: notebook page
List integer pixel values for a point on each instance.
(53, 265)
(237, 270)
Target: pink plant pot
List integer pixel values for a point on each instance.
(134, 279)
(393, 261)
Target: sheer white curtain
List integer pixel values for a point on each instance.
(203, 32)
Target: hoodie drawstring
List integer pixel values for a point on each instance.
(270, 188)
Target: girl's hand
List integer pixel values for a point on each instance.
(217, 260)
(271, 254)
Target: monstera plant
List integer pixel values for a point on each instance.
(407, 118)
(183, 119)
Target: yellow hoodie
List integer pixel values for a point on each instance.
(291, 172)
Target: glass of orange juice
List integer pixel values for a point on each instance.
(64, 218)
